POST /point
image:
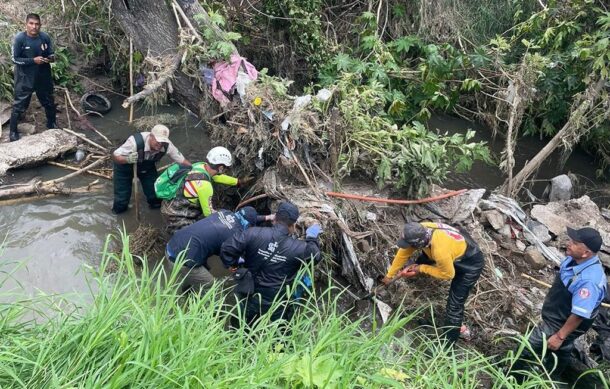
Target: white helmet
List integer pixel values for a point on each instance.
(219, 156)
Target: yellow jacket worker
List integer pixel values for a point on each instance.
(447, 254)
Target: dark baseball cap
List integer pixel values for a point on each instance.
(413, 235)
(287, 211)
(250, 214)
(590, 237)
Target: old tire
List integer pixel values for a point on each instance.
(95, 102)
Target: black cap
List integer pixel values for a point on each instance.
(287, 211)
(590, 237)
(414, 235)
(250, 214)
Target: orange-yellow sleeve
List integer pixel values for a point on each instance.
(443, 269)
(401, 257)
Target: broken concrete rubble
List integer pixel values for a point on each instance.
(576, 213)
(538, 231)
(534, 259)
(560, 188)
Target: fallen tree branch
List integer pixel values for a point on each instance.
(76, 173)
(53, 163)
(572, 131)
(52, 187)
(81, 136)
(151, 88)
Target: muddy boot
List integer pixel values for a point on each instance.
(51, 123)
(14, 134)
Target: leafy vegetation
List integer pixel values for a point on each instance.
(138, 332)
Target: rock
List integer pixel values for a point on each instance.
(26, 128)
(560, 188)
(35, 149)
(604, 258)
(363, 246)
(535, 259)
(605, 213)
(539, 231)
(506, 232)
(495, 219)
(520, 245)
(575, 213)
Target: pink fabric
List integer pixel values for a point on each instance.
(225, 75)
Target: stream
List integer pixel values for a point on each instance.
(49, 244)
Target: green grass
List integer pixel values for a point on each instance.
(138, 332)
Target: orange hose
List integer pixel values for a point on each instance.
(396, 201)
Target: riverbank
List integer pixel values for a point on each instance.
(136, 331)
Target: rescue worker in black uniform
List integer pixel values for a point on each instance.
(274, 257)
(570, 306)
(145, 149)
(203, 239)
(448, 253)
(32, 55)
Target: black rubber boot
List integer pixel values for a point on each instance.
(51, 123)
(14, 134)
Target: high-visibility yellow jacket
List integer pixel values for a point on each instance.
(198, 187)
(446, 246)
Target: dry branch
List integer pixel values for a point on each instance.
(53, 163)
(81, 136)
(151, 88)
(572, 131)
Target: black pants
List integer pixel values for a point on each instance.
(531, 357)
(467, 272)
(24, 88)
(259, 303)
(122, 179)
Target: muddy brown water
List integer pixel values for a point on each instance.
(50, 243)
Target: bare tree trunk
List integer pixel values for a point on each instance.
(154, 30)
(572, 130)
(152, 26)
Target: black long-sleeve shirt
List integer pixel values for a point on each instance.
(257, 245)
(25, 49)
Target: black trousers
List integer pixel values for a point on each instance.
(42, 85)
(259, 303)
(467, 272)
(122, 179)
(557, 360)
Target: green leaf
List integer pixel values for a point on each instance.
(342, 61)
(369, 42)
(404, 44)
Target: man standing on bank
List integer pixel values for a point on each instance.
(143, 149)
(32, 55)
(447, 254)
(572, 303)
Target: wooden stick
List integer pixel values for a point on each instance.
(76, 173)
(53, 163)
(81, 136)
(130, 78)
(67, 113)
(84, 118)
(66, 191)
(187, 21)
(542, 283)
